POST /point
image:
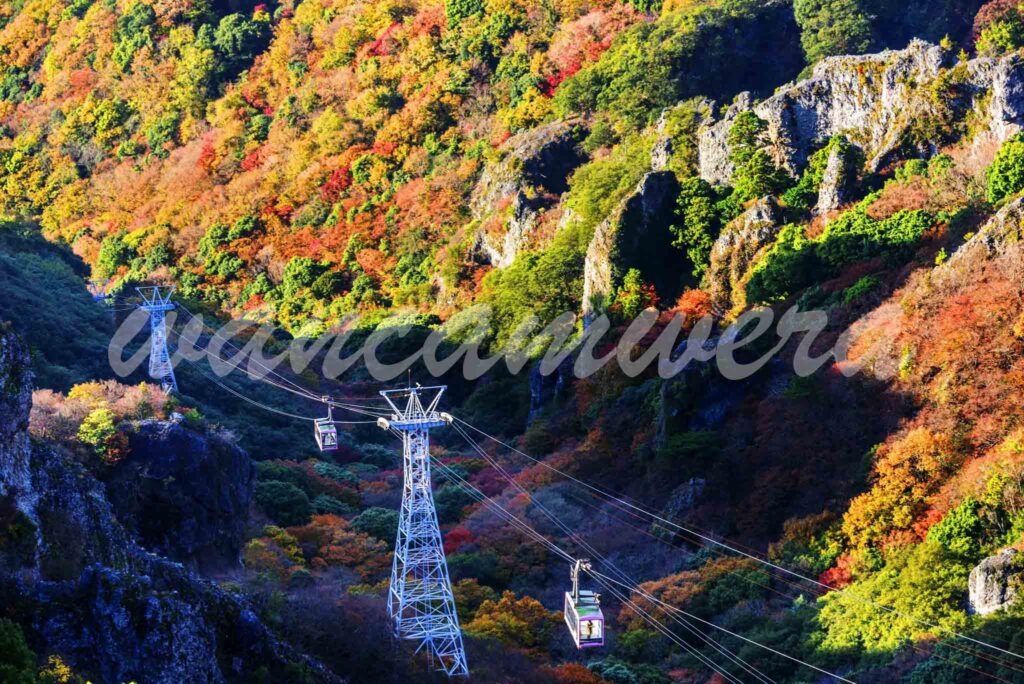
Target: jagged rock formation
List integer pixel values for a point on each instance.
(684, 499)
(836, 184)
(83, 589)
(994, 583)
(183, 494)
(738, 248)
(530, 177)
(636, 235)
(713, 161)
(1003, 82)
(877, 100)
(1001, 240)
(15, 394)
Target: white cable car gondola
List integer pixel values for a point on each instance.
(326, 432)
(583, 614)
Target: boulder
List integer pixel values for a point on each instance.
(994, 583)
(739, 246)
(530, 176)
(636, 235)
(185, 495)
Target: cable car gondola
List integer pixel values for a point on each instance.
(326, 432)
(583, 614)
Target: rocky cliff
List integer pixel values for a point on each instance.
(636, 235)
(737, 249)
(83, 589)
(529, 177)
(879, 101)
(183, 494)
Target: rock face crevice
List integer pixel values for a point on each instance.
(636, 235)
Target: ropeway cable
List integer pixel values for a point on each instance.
(750, 669)
(733, 549)
(616, 500)
(297, 388)
(525, 527)
(235, 364)
(264, 406)
(676, 609)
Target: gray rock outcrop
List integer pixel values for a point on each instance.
(15, 398)
(81, 588)
(835, 184)
(993, 583)
(738, 247)
(184, 495)
(876, 100)
(531, 175)
(1003, 81)
(636, 235)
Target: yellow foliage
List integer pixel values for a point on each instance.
(522, 622)
(906, 474)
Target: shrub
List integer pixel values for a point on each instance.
(686, 52)
(457, 10)
(17, 661)
(795, 262)
(1006, 175)
(97, 429)
(700, 220)
(328, 505)
(756, 174)
(633, 296)
(377, 455)
(285, 503)
(860, 288)
(832, 27)
(336, 473)
(114, 253)
(1004, 35)
(300, 273)
(381, 523)
(134, 31)
(961, 530)
(450, 501)
(162, 133)
(522, 622)
(238, 39)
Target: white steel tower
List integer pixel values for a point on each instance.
(421, 603)
(157, 302)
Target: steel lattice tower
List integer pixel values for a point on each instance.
(420, 602)
(157, 302)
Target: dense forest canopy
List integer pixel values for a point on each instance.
(299, 162)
